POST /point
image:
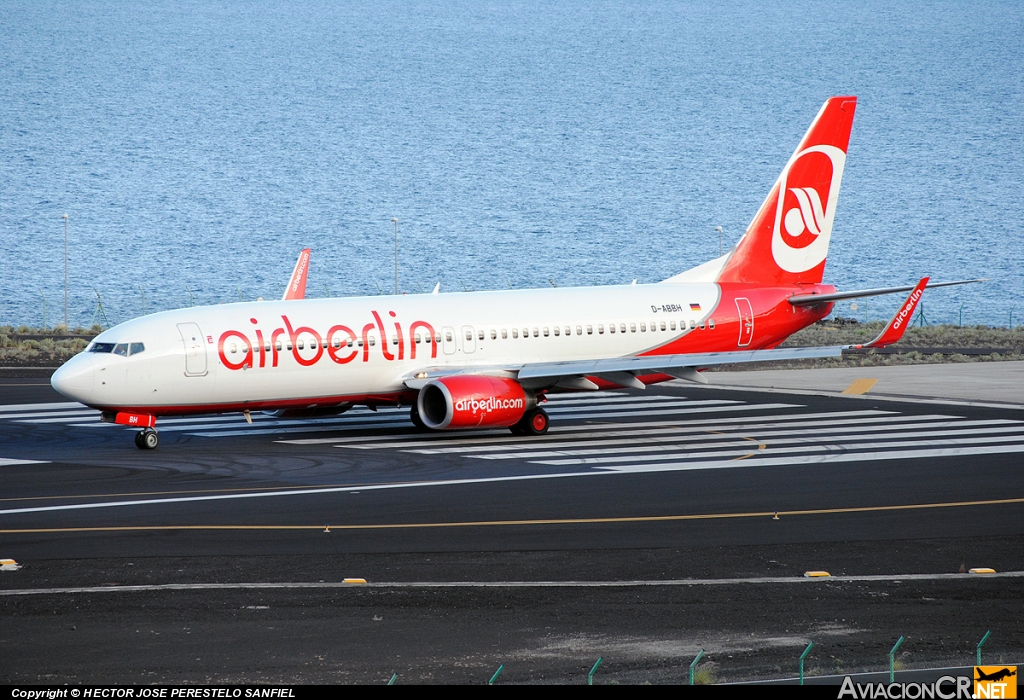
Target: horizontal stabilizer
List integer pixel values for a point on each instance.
(810, 299)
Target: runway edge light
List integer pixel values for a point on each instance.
(816, 574)
(354, 581)
(982, 570)
(9, 565)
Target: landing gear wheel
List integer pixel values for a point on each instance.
(533, 422)
(414, 416)
(147, 439)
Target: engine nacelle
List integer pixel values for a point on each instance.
(472, 401)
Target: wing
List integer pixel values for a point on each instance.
(576, 374)
(810, 299)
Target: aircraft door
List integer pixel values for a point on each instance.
(468, 339)
(448, 340)
(746, 321)
(195, 349)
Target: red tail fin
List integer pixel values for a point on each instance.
(787, 241)
(297, 284)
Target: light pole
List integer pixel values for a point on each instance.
(719, 229)
(396, 254)
(65, 217)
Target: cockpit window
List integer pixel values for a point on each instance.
(121, 349)
(136, 348)
(102, 347)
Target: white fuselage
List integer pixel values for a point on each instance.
(295, 353)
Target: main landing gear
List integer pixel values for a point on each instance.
(414, 416)
(147, 439)
(533, 422)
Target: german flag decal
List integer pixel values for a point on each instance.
(694, 307)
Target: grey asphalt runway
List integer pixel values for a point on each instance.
(676, 482)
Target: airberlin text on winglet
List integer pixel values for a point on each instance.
(340, 343)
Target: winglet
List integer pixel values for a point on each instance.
(901, 321)
(297, 284)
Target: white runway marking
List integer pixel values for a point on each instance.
(625, 437)
(751, 450)
(829, 458)
(15, 407)
(848, 441)
(644, 583)
(566, 431)
(51, 414)
(4, 462)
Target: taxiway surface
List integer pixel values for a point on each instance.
(678, 482)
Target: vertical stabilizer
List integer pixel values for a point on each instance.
(787, 241)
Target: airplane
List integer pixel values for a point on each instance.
(995, 676)
(489, 359)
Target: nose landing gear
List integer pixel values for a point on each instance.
(147, 439)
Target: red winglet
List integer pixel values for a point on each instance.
(297, 285)
(901, 321)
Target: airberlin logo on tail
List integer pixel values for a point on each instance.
(805, 211)
(489, 404)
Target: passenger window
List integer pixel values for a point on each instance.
(672, 325)
(701, 325)
(373, 341)
(611, 327)
(301, 346)
(662, 325)
(545, 331)
(600, 329)
(515, 332)
(693, 324)
(632, 328)
(711, 323)
(536, 333)
(568, 330)
(231, 348)
(448, 336)
(590, 330)
(526, 332)
(556, 330)
(359, 343)
(136, 348)
(480, 335)
(336, 343)
(622, 328)
(643, 327)
(504, 334)
(494, 335)
(289, 346)
(277, 346)
(579, 330)
(349, 343)
(469, 335)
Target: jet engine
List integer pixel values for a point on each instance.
(472, 401)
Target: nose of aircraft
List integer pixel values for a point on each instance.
(74, 379)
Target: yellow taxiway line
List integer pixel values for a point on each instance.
(520, 523)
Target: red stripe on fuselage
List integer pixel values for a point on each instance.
(774, 320)
(405, 398)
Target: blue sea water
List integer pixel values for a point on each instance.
(199, 145)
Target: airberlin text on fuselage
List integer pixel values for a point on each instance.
(341, 343)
